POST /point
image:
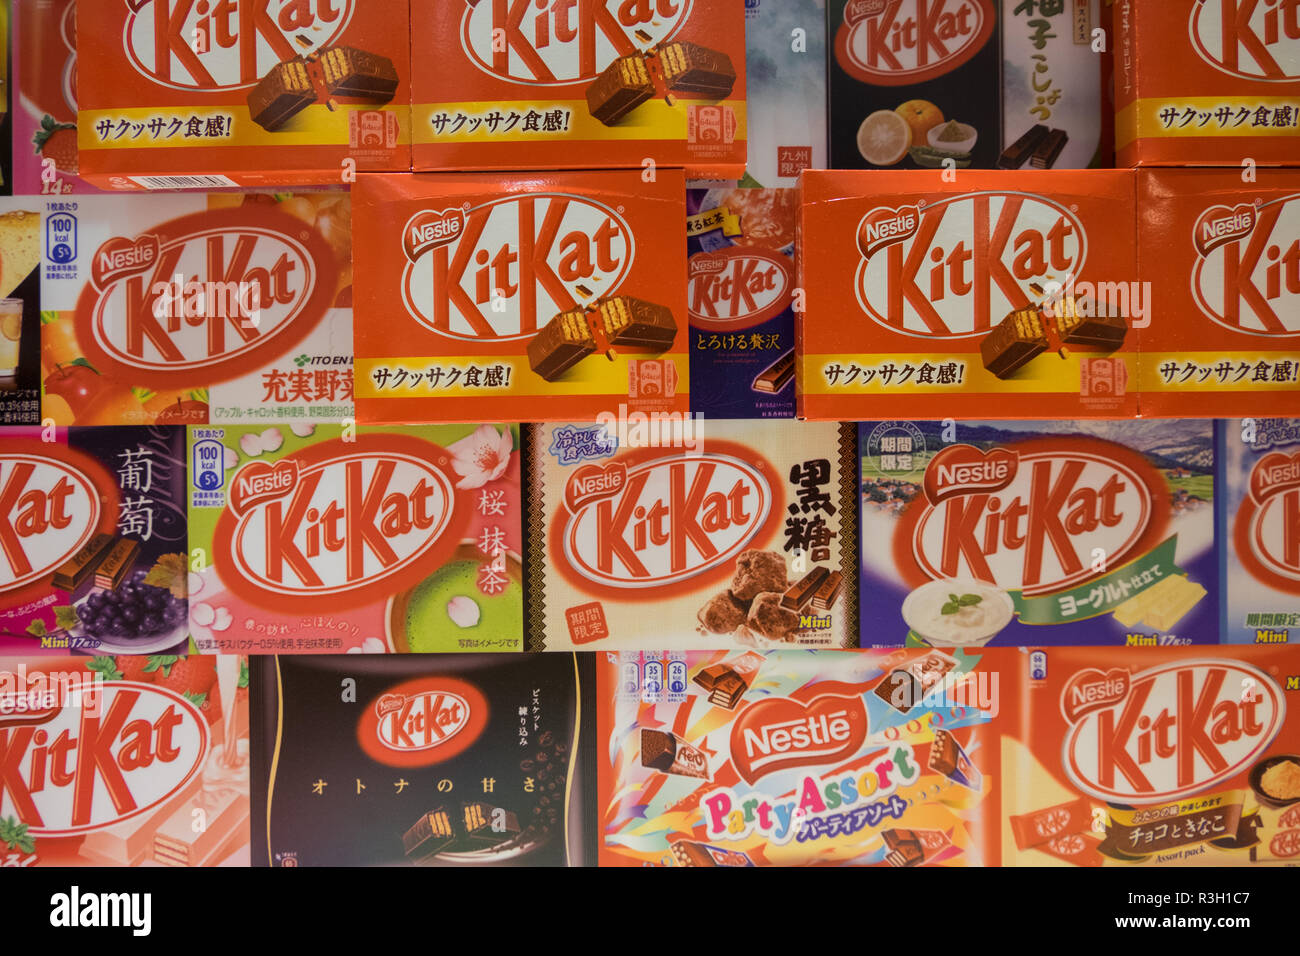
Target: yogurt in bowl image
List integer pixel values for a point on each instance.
(957, 613)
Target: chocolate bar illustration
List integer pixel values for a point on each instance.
(690, 68)
(479, 823)
(292, 86)
(947, 758)
(728, 691)
(282, 94)
(560, 345)
(430, 835)
(1014, 156)
(1015, 340)
(690, 853)
(1049, 150)
(623, 86)
(668, 753)
(117, 564)
(1104, 331)
(621, 321)
(828, 592)
(801, 592)
(352, 72)
(776, 376)
(74, 572)
(904, 848)
(635, 323)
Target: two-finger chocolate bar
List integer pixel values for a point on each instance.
(801, 592)
(282, 94)
(485, 823)
(358, 73)
(621, 87)
(776, 376)
(1047, 152)
(1014, 341)
(1015, 155)
(636, 323)
(117, 564)
(428, 836)
(621, 321)
(561, 344)
(691, 68)
(74, 572)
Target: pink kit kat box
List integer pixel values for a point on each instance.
(325, 539)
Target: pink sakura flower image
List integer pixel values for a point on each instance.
(482, 456)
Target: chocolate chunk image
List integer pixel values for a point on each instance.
(723, 614)
(658, 749)
(282, 94)
(769, 619)
(623, 86)
(756, 572)
(690, 68)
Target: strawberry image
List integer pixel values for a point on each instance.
(134, 668)
(192, 677)
(57, 141)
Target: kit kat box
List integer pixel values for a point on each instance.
(94, 540)
(456, 760)
(1207, 83)
(282, 92)
(983, 293)
(789, 758)
(740, 293)
(1173, 757)
(557, 85)
(186, 309)
(20, 311)
(325, 539)
(1015, 533)
(708, 533)
(520, 297)
(1262, 589)
(124, 761)
(1223, 257)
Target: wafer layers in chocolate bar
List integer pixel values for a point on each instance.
(776, 376)
(561, 344)
(690, 853)
(801, 592)
(430, 834)
(728, 691)
(904, 848)
(690, 68)
(117, 564)
(285, 91)
(827, 592)
(635, 323)
(623, 86)
(1014, 156)
(1104, 331)
(1049, 150)
(488, 824)
(74, 572)
(352, 72)
(1014, 341)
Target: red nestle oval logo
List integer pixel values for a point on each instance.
(1266, 530)
(428, 229)
(216, 47)
(779, 733)
(902, 42)
(140, 748)
(360, 521)
(1238, 280)
(204, 298)
(737, 288)
(423, 721)
(1247, 39)
(53, 500)
(1177, 730)
(984, 271)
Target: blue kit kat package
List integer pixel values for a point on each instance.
(740, 292)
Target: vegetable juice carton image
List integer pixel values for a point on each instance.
(20, 311)
(559, 85)
(94, 540)
(520, 297)
(199, 96)
(982, 295)
(785, 76)
(710, 534)
(461, 760)
(185, 309)
(112, 759)
(785, 758)
(1207, 83)
(1223, 257)
(1262, 529)
(1171, 756)
(1014, 533)
(323, 539)
(740, 296)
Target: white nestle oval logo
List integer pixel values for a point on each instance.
(1181, 728)
(950, 277)
(48, 510)
(212, 46)
(517, 263)
(1247, 39)
(139, 323)
(553, 44)
(1245, 283)
(347, 522)
(159, 742)
(421, 721)
(672, 520)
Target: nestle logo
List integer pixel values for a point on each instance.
(901, 42)
(591, 482)
(780, 733)
(428, 229)
(1092, 689)
(261, 481)
(964, 469)
(885, 226)
(1274, 474)
(1219, 225)
(857, 10)
(120, 257)
(420, 721)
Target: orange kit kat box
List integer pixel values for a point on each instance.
(1207, 82)
(1224, 260)
(558, 84)
(519, 297)
(179, 94)
(1151, 757)
(1006, 290)
(193, 308)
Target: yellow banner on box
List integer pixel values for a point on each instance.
(150, 127)
(933, 373)
(1204, 116)
(465, 376)
(524, 122)
(1176, 372)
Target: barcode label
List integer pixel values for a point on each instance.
(184, 182)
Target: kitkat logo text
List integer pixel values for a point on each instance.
(512, 264)
(204, 298)
(1171, 732)
(652, 520)
(737, 288)
(901, 42)
(1251, 39)
(780, 733)
(85, 770)
(558, 42)
(957, 266)
(1031, 517)
(423, 721)
(344, 522)
(53, 500)
(1247, 271)
(1266, 531)
(209, 47)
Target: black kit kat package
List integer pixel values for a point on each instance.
(426, 760)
